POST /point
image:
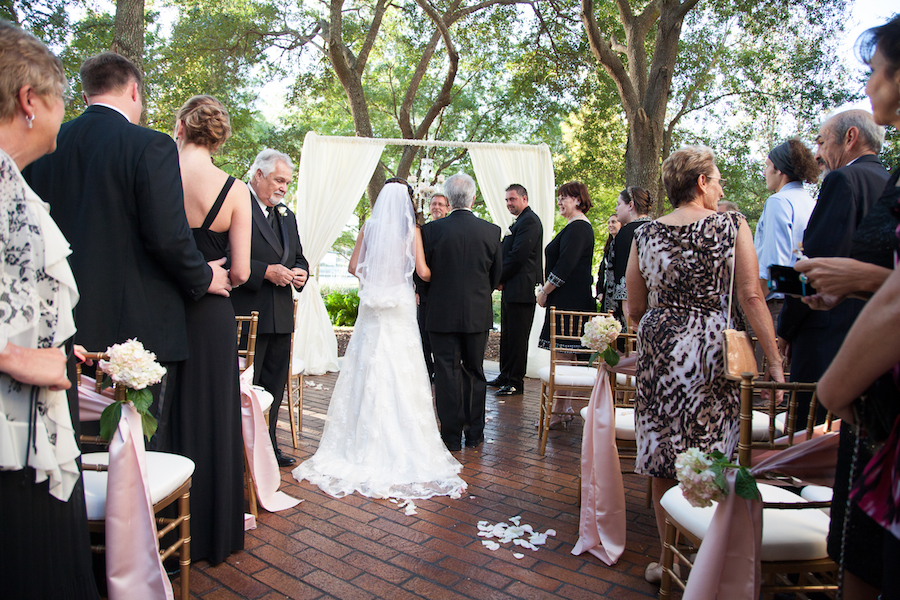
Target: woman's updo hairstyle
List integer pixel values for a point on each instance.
(681, 171)
(206, 122)
(643, 201)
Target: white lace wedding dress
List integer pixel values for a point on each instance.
(381, 436)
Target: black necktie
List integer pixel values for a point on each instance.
(273, 221)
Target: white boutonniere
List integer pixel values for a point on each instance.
(282, 209)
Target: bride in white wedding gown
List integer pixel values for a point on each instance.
(381, 436)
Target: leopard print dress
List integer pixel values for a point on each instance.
(682, 398)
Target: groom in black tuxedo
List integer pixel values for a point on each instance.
(464, 255)
(521, 272)
(276, 265)
(115, 190)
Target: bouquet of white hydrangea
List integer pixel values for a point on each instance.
(702, 478)
(133, 369)
(599, 335)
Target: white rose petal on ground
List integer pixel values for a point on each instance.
(490, 545)
(518, 555)
(515, 520)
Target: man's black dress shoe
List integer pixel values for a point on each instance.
(474, 443)
(508, 390)
(284, 460)
(497, 382)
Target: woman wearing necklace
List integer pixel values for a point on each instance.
(632, 209)
(568, 261)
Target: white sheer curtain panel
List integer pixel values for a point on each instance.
(333, 175)
(496, 167)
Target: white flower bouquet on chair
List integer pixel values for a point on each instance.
(132, 369)
(600, 333)
(702, 478)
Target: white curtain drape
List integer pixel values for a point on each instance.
(497, 166)
(333, 175)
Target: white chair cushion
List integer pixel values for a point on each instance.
(760, 424)
(818, 493)
(622, 379)
(625, 424)
(264, 397)
(166, 472)
(571, 375)
(787, 534)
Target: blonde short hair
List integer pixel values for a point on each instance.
(25, 60)
(682, 169)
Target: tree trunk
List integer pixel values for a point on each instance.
(128, 36)
(643, 90)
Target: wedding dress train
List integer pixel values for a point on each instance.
(381, 436)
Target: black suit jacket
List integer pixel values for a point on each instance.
(846, 196)
(466, 261)
(274, 303)
(522, 258)
(115, 190)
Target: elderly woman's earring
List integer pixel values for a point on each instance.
(30, 121)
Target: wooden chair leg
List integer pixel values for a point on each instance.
(300, 404)
(251, 487)
(292, 417)
(668, 558)
(184, 554)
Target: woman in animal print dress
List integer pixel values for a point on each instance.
(678, 280)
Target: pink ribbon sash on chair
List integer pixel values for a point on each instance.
(133, 566)
(90, 403)
(728, 563)
(260, 455)
(601, 527)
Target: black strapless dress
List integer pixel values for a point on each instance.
(206, 416)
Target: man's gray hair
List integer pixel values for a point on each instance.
(265, 162)
(871, 134)
(460, 191)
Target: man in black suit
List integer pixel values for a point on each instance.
(521, 272)
(464, 254)
(276, 265)
(115, 190)
(438, 207)
(848, 146)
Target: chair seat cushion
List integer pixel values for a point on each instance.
(166, 473)
(264, 397)
(624, 422)
(818, 493)
(787, 534)
(760, 425)
(571, 375)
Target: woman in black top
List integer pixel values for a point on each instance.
(632, 210)
(568, 260)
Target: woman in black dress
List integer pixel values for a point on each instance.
(632, 209)
(206, 419)
(605, 270)
(568, 259)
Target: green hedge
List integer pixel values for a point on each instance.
(342, 305)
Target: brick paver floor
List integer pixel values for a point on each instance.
(359, 548)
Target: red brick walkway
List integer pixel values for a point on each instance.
(356, 547)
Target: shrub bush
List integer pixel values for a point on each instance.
(342, 306)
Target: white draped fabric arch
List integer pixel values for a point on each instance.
(333, 175)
